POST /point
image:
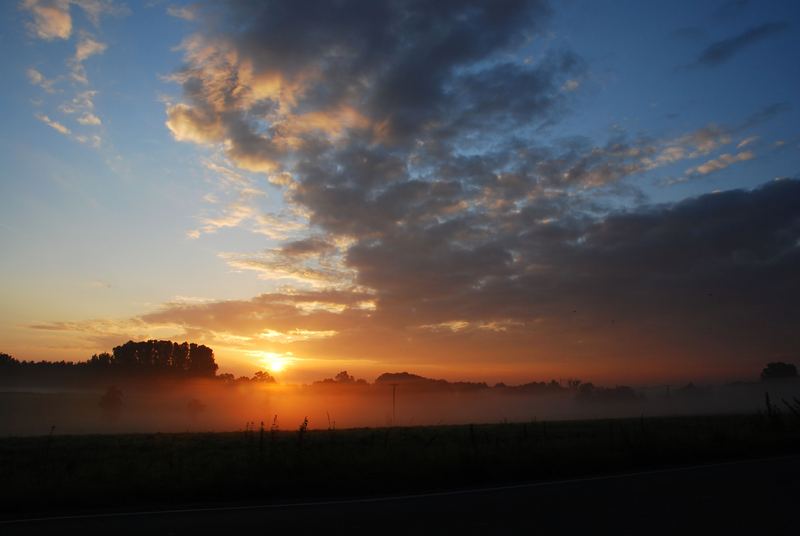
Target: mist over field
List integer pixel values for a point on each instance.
(210, 405)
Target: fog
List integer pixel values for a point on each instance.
(207, 405)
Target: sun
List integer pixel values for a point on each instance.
(277, 364)
(273, 361)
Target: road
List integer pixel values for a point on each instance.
(744, 497)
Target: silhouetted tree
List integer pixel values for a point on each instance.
(129, 361)
(779, 370)
(7, 361)
(262, 376)
(165, 356)
(111, 401)
(344, 377)
(201, 360)
(100, 361)
(180, 356)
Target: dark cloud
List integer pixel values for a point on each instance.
(764, 114)
(409, 134)
(712, 277)
(306, 247)
(723, 50)
(275, 77)
(723, 13)
(721, 262)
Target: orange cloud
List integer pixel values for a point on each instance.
(51, 18)
(721, 162)
(190, 124)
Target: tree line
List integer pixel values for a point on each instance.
(132, 359)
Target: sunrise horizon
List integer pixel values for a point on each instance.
(399, 267)
(498, 192)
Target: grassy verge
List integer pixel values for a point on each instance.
(101, 471)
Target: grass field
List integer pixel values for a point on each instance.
(96, 471)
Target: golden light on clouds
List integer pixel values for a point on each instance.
(295, 335)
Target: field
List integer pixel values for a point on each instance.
(53, 473)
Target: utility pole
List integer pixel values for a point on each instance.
(394, 403)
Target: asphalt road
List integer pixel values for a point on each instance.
(747, 497)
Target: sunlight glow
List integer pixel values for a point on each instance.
(274, 361)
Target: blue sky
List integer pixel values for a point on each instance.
(130, 199)
(641, 80)
(110, 215)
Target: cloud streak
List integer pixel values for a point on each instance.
(721, 162)
(723, 50)
(55, 125)
(52, 20)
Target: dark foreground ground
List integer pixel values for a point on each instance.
(725, 474)
(750, 497)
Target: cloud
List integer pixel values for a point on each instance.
(51, 18)
(718, 250)
(261, 97)
(285, 108)
(103, 334)
(190, 124)
(407, 140)
(307, 247)
(94, 9)
(89, 119)
(710, 278)
(183, 12)
(295, 335)
(38, 79)
(304, 264)
(236, 204)
(721, 51)
(707, 139)
(322, 312)
(721, 162)
(244, 213)
(571, 85)
(400, 145)
(55, 125)
(88, 47)
(81, 102)
(747, 141)
(765, 114)
(92, 140)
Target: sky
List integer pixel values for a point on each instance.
(499, 191)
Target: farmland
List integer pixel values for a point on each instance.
(263, 462)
